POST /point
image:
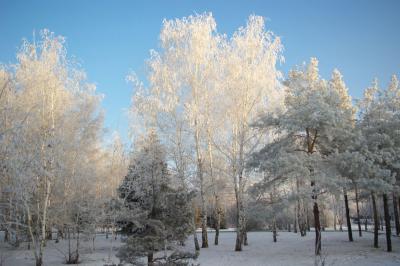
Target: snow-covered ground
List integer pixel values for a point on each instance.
(291, 249)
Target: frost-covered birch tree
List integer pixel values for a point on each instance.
(56, 126)
(249, 85)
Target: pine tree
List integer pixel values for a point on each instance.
(157, 216)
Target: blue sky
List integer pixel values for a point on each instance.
(110, 38)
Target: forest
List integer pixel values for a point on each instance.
(227, 152)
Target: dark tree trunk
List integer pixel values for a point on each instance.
(49, 234)
(150, 259)
(317, 229)
(238, 245)
(245, 240)
(308, 220)
(295, 220)
(239, 240)
(358, 213)
(216, 236)
(366, 224)
(274, 230)
(204, 237)
(218, 222)
(376, 224)
(387, 223)
(6, 235)
(39, 261)
(346, 204)
(196, 242)
(396, 214)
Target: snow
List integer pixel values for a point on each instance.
(291, 249)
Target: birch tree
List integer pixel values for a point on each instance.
(249, 86)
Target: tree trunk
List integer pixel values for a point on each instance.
(217, 226)
(150, 261)
(396, 214)
(346, 204)
(387, 223)
(218, 220)
(245, 240)
(317, 223)
(334, 214)
(307, 219)
(274, 229)
(6, 235)
(239, 213)
(238, 245)
(196, 241)
(77, 246)
(39, 261)
(358, 212)
(376, 224)
(295, 220)
(317, 229)
(204, 236)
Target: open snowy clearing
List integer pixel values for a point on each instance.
(291, 249)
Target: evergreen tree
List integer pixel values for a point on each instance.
(158, 217)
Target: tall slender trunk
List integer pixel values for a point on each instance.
(317, 223)
(239, 210)
(307, 222)
(212, 177)
(387, 223)
(366, 224)
(346, 204)
(196, 241)
(32, 237)
(295, 220)
(301, 220)
(396, 214)
(217, 222)
(274, 229)
(317, 229)
(238, 245)
(334, 221)
(358, 211)
(376, 224)
(77, 245)
(334, 213)
(150, 260)
(204, 237)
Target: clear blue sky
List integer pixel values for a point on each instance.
(360, 38)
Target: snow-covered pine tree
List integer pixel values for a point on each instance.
(380, 121)
(161, 217)
(316, 113)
